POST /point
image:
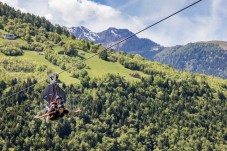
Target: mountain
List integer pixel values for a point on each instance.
(127, 102)
(201, 57)
(83, 33)
(110, 36)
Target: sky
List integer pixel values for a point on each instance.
(205, 21)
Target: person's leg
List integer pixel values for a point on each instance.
(47, 119)
(46, 109)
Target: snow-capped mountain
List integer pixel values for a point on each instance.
(112, 35)
(191, 57)
(83, 33)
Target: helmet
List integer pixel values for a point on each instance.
(58, 97)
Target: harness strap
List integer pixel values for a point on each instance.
(51, 98)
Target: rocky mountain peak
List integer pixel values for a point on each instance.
(113, 35)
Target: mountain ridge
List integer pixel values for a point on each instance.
(83, 33)
(112, 35)
(162, 110)
(204, 64)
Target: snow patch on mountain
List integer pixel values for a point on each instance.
(116, 35)
(112, 35)
(83, 33)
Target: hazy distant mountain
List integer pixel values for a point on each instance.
(202, 57)
(110, 36)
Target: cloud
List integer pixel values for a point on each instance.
(10, 2)
(95, 16)
(204, 21)
(69, 13)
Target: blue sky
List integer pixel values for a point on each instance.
(203, 22)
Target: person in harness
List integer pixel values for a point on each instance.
(56, 110)
(55, 98)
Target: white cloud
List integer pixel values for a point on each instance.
(10, 2)
(205, 21)
(69, 13)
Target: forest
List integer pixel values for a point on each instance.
(200, 57)
(163, 109)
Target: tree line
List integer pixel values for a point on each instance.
(155, 113)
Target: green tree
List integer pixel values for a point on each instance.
(103, 55)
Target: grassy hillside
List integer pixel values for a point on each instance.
(2, 55)
(32, 56)
(98, 67)
(160, 109)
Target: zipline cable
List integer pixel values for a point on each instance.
(109, 46)
(22, 90)
(132, 35)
